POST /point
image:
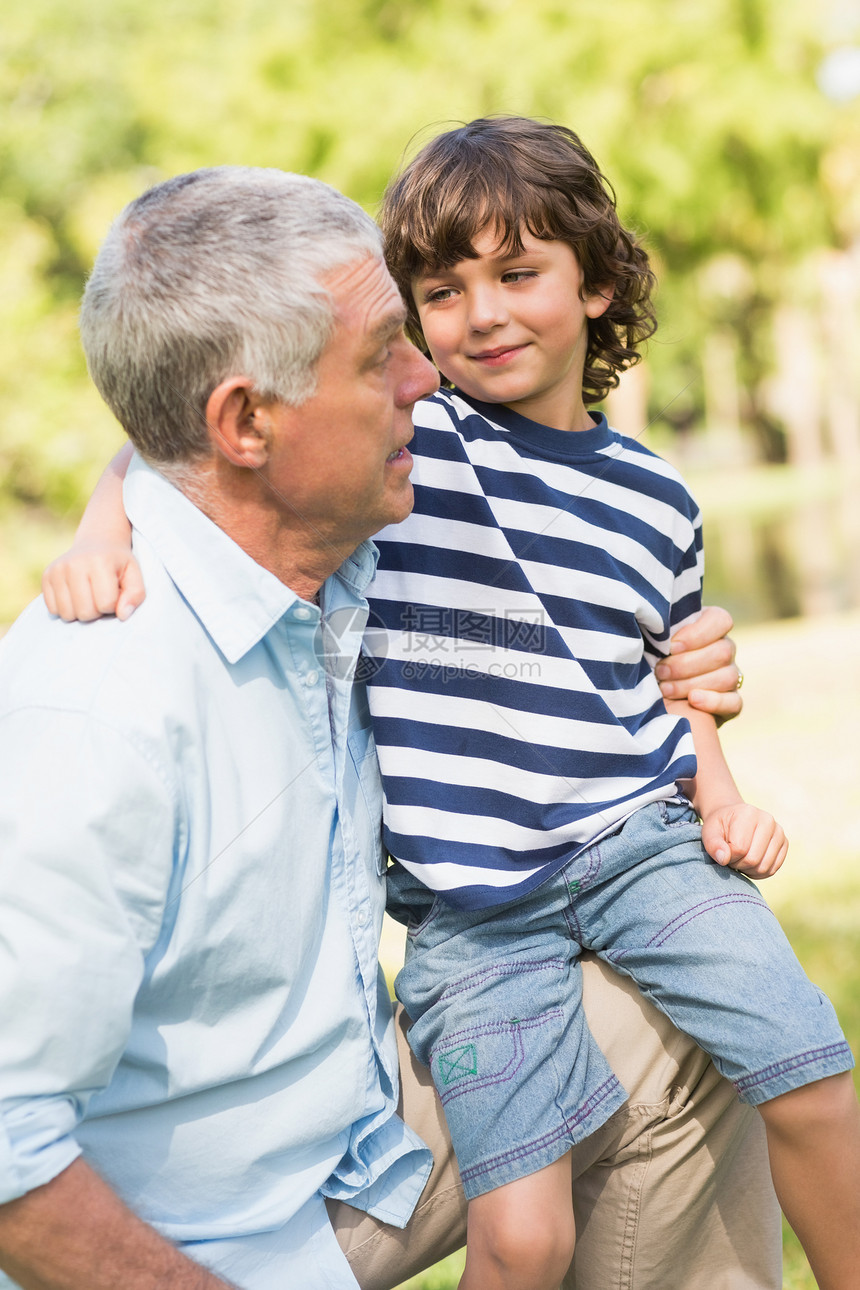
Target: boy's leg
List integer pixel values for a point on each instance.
(813, 1135)
(676, 1182)
(521, 1236)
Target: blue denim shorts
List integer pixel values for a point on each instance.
(495, 995)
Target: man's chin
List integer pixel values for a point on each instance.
(401, 506)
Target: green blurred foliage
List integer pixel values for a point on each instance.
(704, 113)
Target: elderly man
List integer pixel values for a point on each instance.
(198, 1068)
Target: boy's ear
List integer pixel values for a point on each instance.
(597, 303)
(238, 425)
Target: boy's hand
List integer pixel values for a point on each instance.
(92, 579)
(744, 838)
(701, 667)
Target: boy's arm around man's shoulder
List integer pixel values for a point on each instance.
(98, 575)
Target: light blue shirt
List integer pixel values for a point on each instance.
(191, 897)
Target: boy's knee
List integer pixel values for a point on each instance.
(534, 1253)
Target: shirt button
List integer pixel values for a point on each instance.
(303, 613)
(361, 918)
(312, 678)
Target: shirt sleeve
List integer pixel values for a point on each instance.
(685, 598)
(87, 827)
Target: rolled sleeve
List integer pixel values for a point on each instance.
(36, 1143)
(85, 840)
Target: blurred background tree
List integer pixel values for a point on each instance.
(730, 130)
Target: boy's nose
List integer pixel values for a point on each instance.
(487, 309)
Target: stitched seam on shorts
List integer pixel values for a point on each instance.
(665, 933)
(500, 969)
(595, 860)
(569, 913)
(519, 1153)
(790, 1064)
(432, 913)
(493, 1028)
(502, 1076)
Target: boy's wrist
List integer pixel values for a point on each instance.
(709, 802)
(717, 808)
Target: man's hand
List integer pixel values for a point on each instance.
(701, 667)
(744, 838)
(93, 578)
(75, 1234)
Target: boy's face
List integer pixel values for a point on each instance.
(512, 329)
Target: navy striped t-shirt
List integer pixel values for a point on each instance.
(519, 611)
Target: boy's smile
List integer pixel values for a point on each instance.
(512, 328)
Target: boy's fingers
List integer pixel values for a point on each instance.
(132, 590)
(63, 602)
(83, 602)
(105, 588)
(767, 849)
(715, 841)
(774, 855)
(758, 840)
(48, 593)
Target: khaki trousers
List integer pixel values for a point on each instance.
(672, 1193)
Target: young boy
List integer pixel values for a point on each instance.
(533, 776)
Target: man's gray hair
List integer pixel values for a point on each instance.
(210, 275)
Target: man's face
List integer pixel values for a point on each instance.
(341, 458)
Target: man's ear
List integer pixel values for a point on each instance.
(238, 423)
(597, 303)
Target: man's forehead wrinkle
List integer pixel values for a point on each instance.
(363, 291)
(341, 275)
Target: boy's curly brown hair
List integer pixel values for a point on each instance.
(513, 173)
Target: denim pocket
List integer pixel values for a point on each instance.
(484, 1056)
(677, 815)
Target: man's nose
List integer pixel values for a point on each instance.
(419, 379)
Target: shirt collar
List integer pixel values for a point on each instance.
(236, 599)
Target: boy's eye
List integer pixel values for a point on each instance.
(437, 294)
(518, 275)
